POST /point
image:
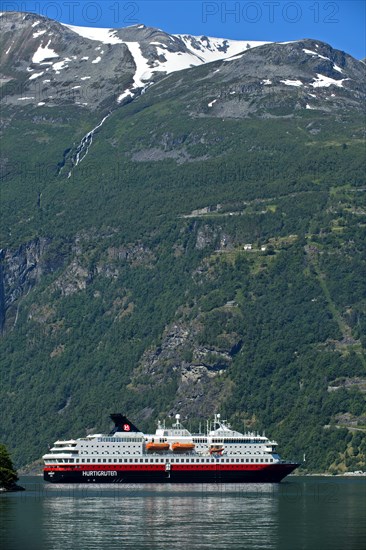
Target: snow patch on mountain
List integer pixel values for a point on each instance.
(107, 36)
(143, 71)
(36, 75)
(57, 67)
(125, 94)
(292, 82)
(38, 33)
(175, 61)
(325, 81)
(310, 52)
(43, 53)
(208, 48)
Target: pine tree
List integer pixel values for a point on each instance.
(8, 474)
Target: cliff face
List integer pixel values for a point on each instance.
(195, 370)
(21, 270)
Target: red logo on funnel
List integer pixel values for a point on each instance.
(126, 427)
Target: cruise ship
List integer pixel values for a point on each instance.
(170, 455)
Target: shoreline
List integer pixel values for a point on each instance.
(12, 489)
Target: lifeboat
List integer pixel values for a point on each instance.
(216, 449)
(153, 447)
(182, 447)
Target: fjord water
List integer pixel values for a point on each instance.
(301, 513)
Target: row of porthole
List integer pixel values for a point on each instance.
(109, 446)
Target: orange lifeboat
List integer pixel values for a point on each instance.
(182, 447)
(156, 447)
(216, 449)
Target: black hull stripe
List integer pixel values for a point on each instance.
(270, 474)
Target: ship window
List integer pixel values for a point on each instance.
(93, 459)
(130, 460)
(99, 460)
(83, 460)
(77, 460)
(104, 460)
(252, 460)
(256, 460)
(237, 460)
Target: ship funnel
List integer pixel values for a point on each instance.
(122, 424)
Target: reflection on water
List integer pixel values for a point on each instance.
(298, 514)
(165, 517)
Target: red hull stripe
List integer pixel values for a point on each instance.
(173, 467)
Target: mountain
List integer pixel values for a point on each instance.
(197, 245)
(45, 63)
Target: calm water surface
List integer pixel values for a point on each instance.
(311, 513)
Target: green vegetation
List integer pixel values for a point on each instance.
(122, 264)
(8, 474)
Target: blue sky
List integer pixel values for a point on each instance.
(341, 23)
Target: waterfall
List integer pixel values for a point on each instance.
(84, 146)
